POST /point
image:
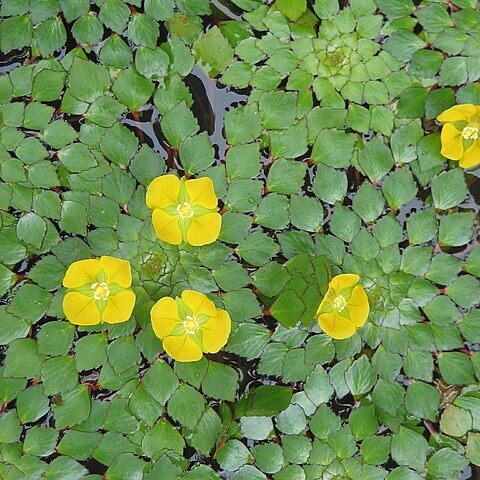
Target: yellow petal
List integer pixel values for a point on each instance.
(117, 270)
(80, 309)
(164, 315)
(358, 306)
(199, 303)
(345, 280)
(216, 331)
(119, 307)
(201, 192)
(336, 326)
(182, 348)
(204, 230)
(323, 302)
(452, 143)
(471, 157)
(81, 273)
(458, 113)
(163, 192)
(166, 227)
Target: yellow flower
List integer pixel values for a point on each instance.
(460, 134)
(184, 210)
(344, 308)
(98, 291)
(190, 326)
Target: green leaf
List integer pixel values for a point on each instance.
(326, 8)
(318, 387)
(422, 400)
(105, 111)
(344, 223)
(375, 159)
(196, 153)
(289, 143)
(30, 303)
(160, 382)
(213, 51)
(99, 80)
(207, 431)
(360, 377)
(446, 461)
(324, 422)
(40, 441)
(453, 71)
(23, 360)
(455, 229)
(248, 340)
(455, 421)
(114, 14)
(265, 400)
(422, 226)
(233, 455)
(159, 9)
(293, 10)
(399, 188)
(132, 89)
(306, 213)
(473, 448)
(12, 327)
(15, 33)
(465, 291)
(333, 148)
(268, 457)
(363, 422)
(178, 124)
(220, 382)
(368, 203)
(449, 189)
(79, 445)
(55, 338)
(115, 52)
(119, 144)
(163, 436)
(10, 427)
(73, 218)
(456, 368)
(31, 229)
(409, 448)
(50, 36)
(273, 212)
(231, 276)
(286, 176)
(257, 249)
(73, 408)
(32, 404)
(76, 157)
(152, 64)
(330, 185)
(143, 30)
(278, 109)
(243, 125)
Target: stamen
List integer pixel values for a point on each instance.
(339, 303)
(100, 291)
(185, 210)
(470, 133)
(190, 324)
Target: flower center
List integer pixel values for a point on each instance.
(339, 302)
(470, 133)
(185, 210)
(100, 291)
(190, 324)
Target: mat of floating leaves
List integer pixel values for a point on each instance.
(239, 240)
